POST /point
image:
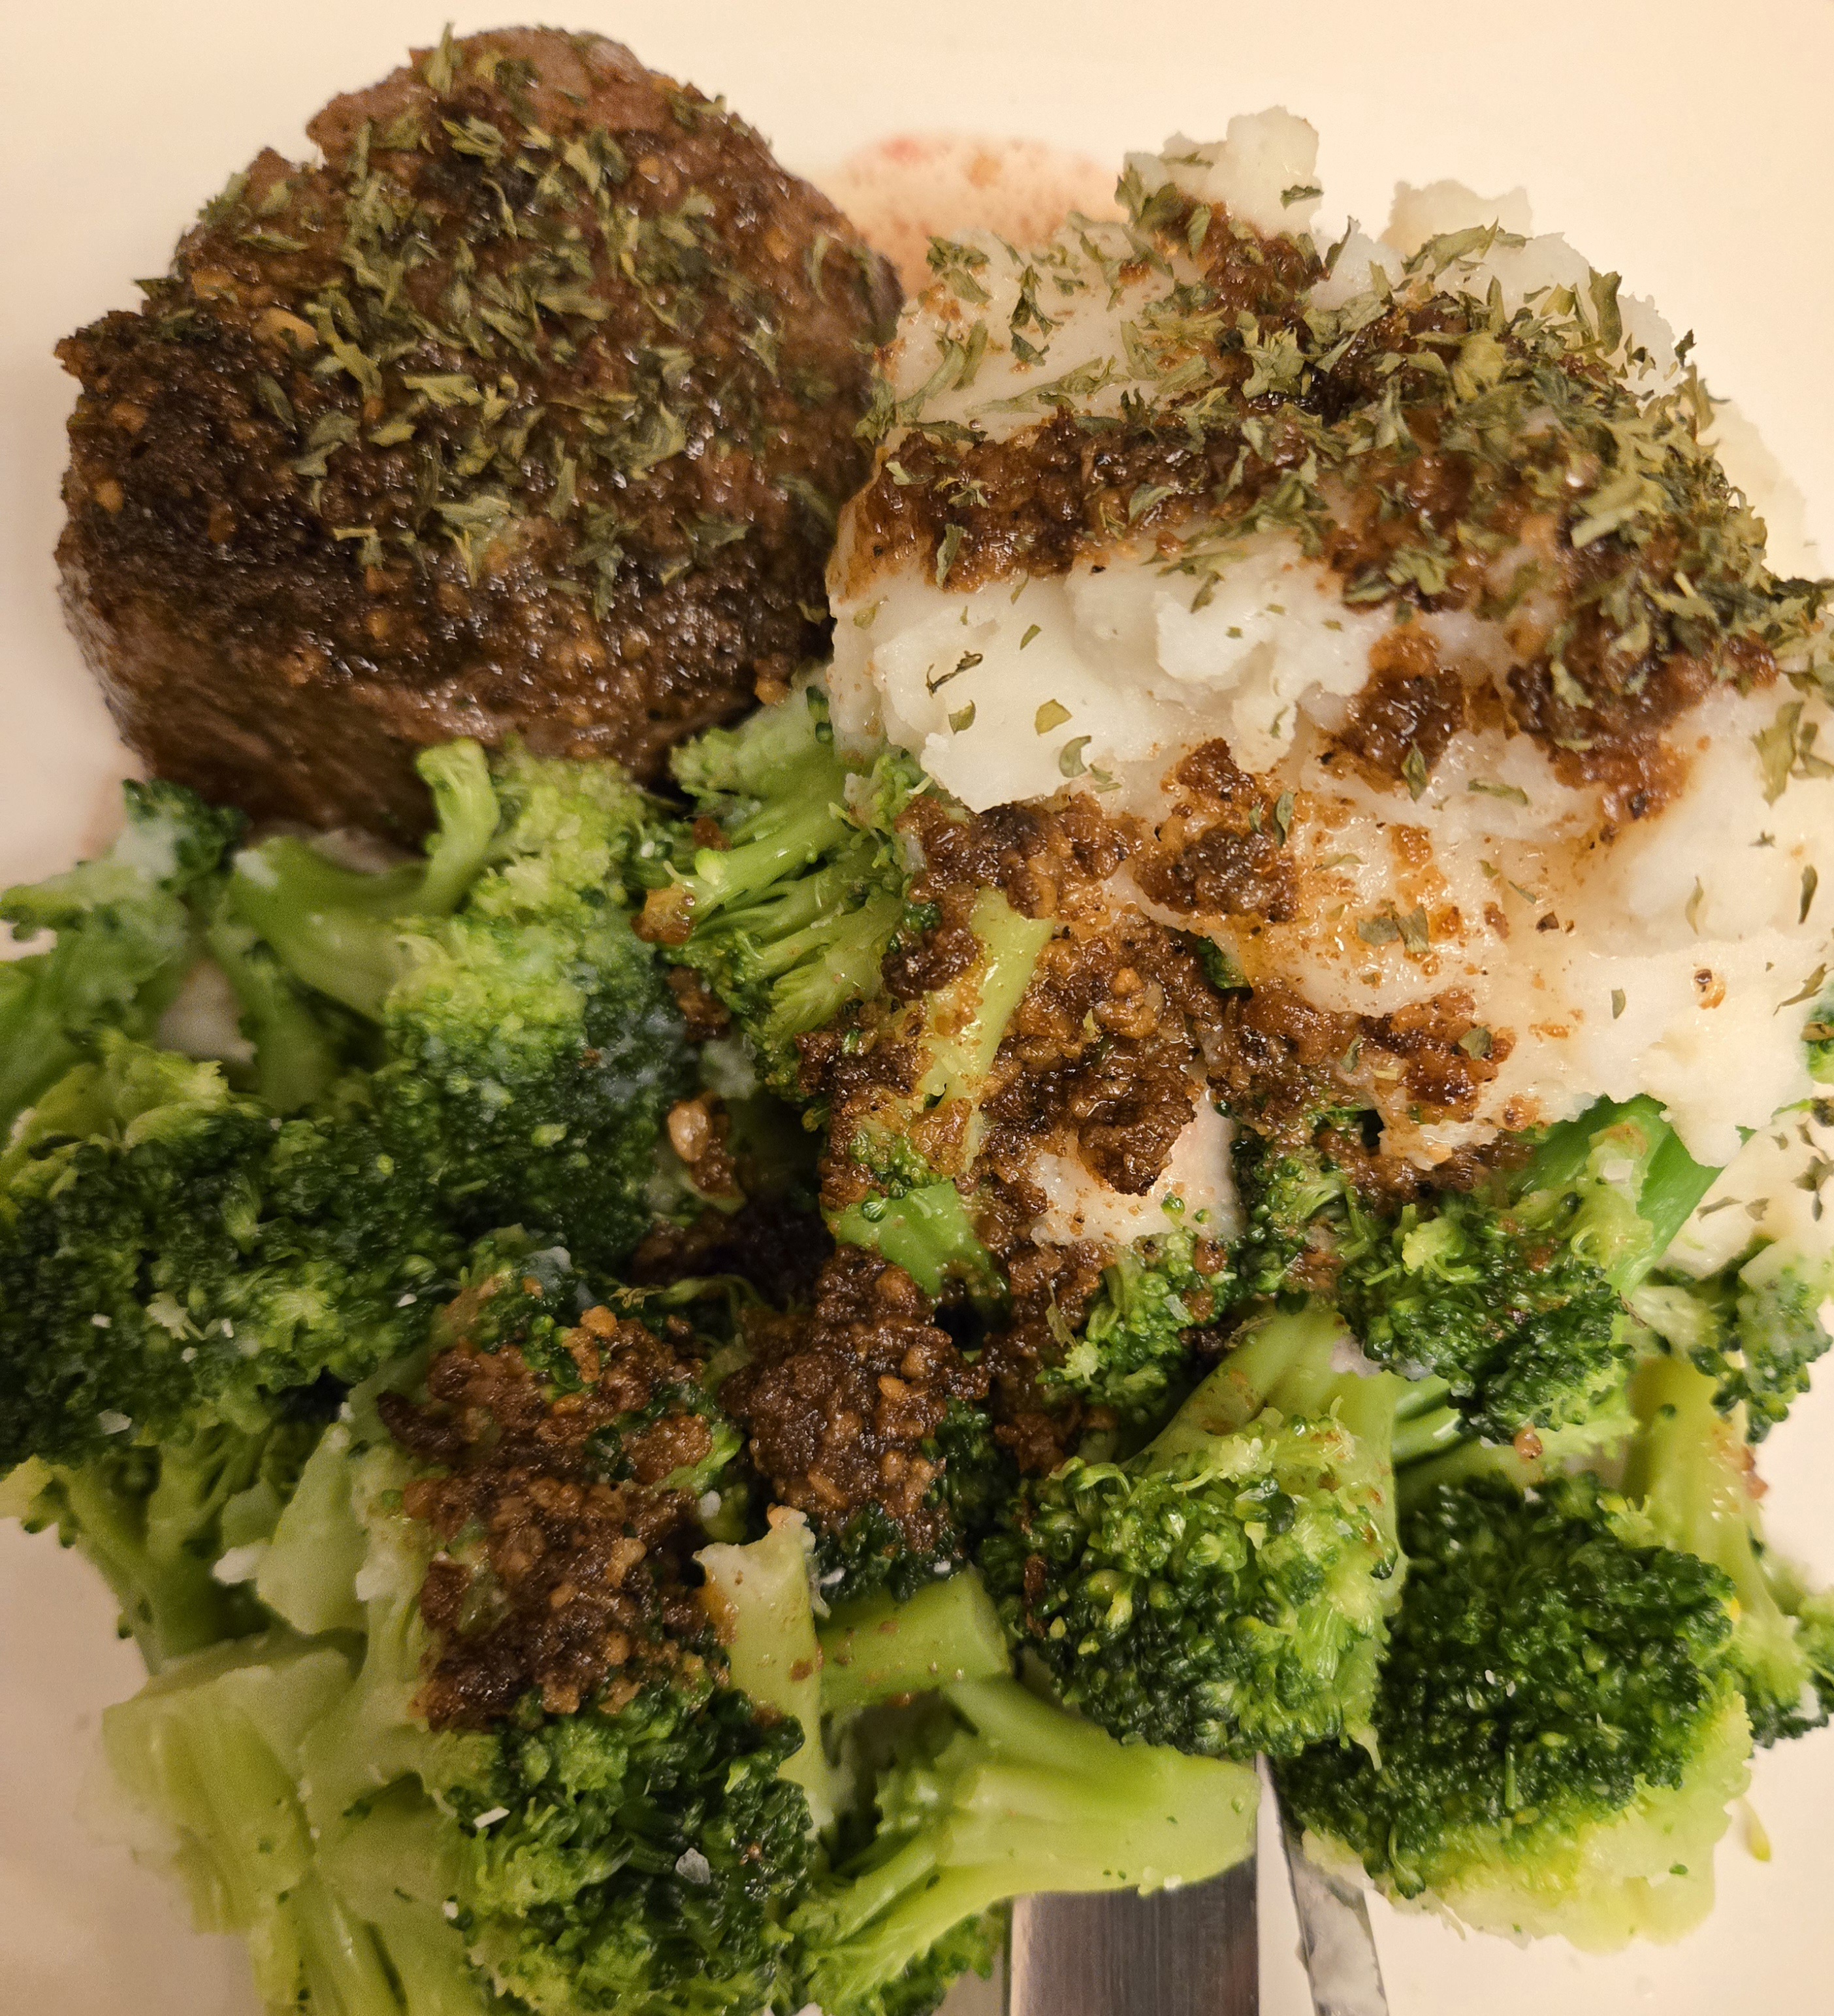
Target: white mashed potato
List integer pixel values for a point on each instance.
(1679, 955)
(1196, 1185)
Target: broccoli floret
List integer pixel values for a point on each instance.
(1690, 1480)
(1558, 1731)
(157, 1522)
(1226, 1589)
(915, 1141)
(789, 921)
(1292, 1199)
(1133, 1356)
(171, 1255)
(639, 1850)
(1756, 1326)
(1515, 1294)
(126, 936)
(927, 1229)
(998, 1795)
(870, 1553)
(788, 914)
(655, 1844)
(531, 1049)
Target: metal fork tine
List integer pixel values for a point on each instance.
(1191, 1951)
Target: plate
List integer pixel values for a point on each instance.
(1686, 144)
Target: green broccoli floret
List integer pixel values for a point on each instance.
(1692, 1486)
(530, 1048)
(1559, 1728)
(1756, 1326)
(789, 921)
(789, 916)
(1515, 1294)
(159, 1521)
(171, 1255)
(871, 1552)
(1132, 1356)
(639, 1851)
(1292, 1199)
(126, 936)
(915, 1141)
(1226, 1589)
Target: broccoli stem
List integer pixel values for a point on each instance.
(877, 1650)
(334, 928)
(171, 1603)
(297, 1061)
(467, 813)
(1282, 1361)
(34, 1051)
(821, 968)
(1029, 1799)
(760, 1601)
(1669, 1183)
(1690, 1472)
(970, 1013)
(1425, 1423)
(800, 822)
(928, 1233)
(337, 929)
(211, 1749)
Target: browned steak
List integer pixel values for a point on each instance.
(527, 412)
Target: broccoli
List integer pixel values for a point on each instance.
(530, 1049)
(1515, 1294)
(1226, 1589)
(881, 1649)
(171, 1255)
(160, 1523)
(168, 1246)
(787, 907)
(916, 1140)
(1559, 1728)
(125, 938)
(912, 1139)
(656, 1844)
(1691, 1487)
(1756, 1326)
(789, 919)
(1133, 1356)
(1001, 1796)
(869, 1552)
(1293, 1200)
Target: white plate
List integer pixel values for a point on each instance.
(1687, 142)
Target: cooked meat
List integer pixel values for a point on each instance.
(527, 412)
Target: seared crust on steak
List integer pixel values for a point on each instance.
(527, 412)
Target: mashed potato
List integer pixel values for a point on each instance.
(1059, 580)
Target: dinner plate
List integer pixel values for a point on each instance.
(1687, 143)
